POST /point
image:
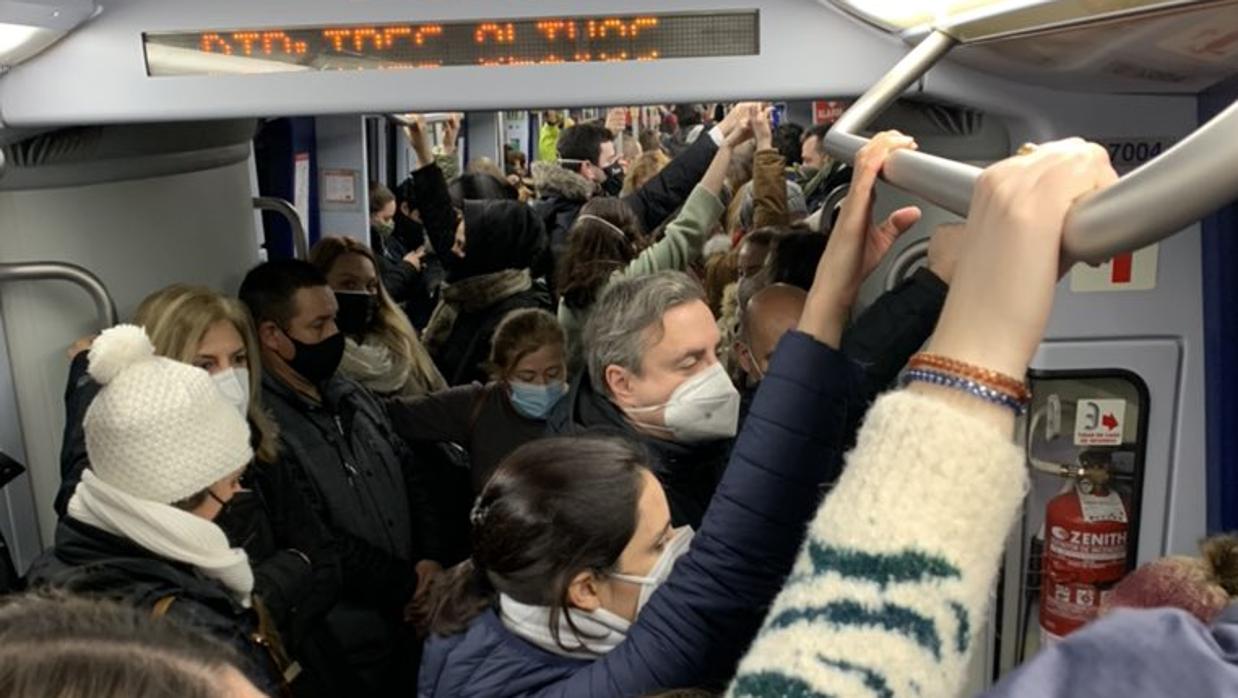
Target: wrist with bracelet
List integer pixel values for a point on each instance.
(990, 386)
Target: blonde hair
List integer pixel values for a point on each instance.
(643, 169)
(177, 318)
(391, 327)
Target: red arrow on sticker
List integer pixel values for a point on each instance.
(1110, 422)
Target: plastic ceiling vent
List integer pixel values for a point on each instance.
(58, 147)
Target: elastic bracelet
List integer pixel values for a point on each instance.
(998, 381)
(971, 387)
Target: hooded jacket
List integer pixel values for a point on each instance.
(562, 192)
(505, 256)
(688, 472)
(697, 624)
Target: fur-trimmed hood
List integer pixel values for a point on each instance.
(549, 179)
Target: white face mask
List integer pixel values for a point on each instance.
(657, 576)
(233, 384)
(702, 408)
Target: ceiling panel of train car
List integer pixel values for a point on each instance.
(1150, 46)
(159, 60)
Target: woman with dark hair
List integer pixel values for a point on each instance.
(606, 244)
(579, 586)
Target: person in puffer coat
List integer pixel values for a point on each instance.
(579, 586)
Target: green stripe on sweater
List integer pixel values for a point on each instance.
(872, 680)
(891, 617)
(771, 683)
(880, 569)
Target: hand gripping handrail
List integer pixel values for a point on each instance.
(105, 307)
(300, 243)
(1177, 188)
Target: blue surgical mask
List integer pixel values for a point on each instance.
(534, 401)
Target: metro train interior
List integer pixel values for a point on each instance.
(153, 142)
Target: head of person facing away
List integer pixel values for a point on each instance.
(768, 315)
(386, 355)
(527, 357)
(294, 314)
(66, 647)
(588, 149)
(382, 209)
(1202, 586)
(571, 535)
(643, 168)
(481, 184)
(605, 238)
(201, 327)
(650, 346)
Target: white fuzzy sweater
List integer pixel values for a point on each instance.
(892, 586)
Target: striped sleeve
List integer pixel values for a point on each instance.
(892, 584)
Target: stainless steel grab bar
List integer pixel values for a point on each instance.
(1177, 188)
(105, 307)
(300, 242)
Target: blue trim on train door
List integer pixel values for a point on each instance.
(275, 149)
(1220, 287)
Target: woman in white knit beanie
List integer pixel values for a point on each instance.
(167, 451)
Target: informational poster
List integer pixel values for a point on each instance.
(827, 111)
(1099, 422)
(339, 187)
(301, 186)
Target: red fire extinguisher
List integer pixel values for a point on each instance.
(1085, 554)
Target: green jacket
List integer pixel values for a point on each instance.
(685, 237)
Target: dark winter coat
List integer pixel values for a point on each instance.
(698, 624)
(688, 472)
(562, 192)
(265, 522)
(91, 562)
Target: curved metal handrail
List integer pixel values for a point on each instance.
(300, 242)
(902, 264)
(105, 307)
(1177, 188)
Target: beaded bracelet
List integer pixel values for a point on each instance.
(1009, 385)
(971, 387)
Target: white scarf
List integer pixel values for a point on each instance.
(164, 530)
(600, 631)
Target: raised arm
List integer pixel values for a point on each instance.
(686, 235)
(891, 589)
(698, 624)
(769, 177)
(430, 192)
(654, 202)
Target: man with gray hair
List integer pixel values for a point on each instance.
(653, 375)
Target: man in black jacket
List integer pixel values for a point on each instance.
(344, 458)
(654, 376)
(588, 166)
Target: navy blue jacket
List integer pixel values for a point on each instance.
(697, 626)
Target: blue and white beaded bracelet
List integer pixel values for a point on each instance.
(947, 380)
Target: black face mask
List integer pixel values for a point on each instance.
(239, 517)
(357, 312)
(317, 362)
(613, 186)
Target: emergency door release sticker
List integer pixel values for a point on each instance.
(1130, 271)
(1099, 422)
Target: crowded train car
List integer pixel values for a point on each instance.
(784, 348)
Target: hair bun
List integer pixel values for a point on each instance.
(116, 349)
